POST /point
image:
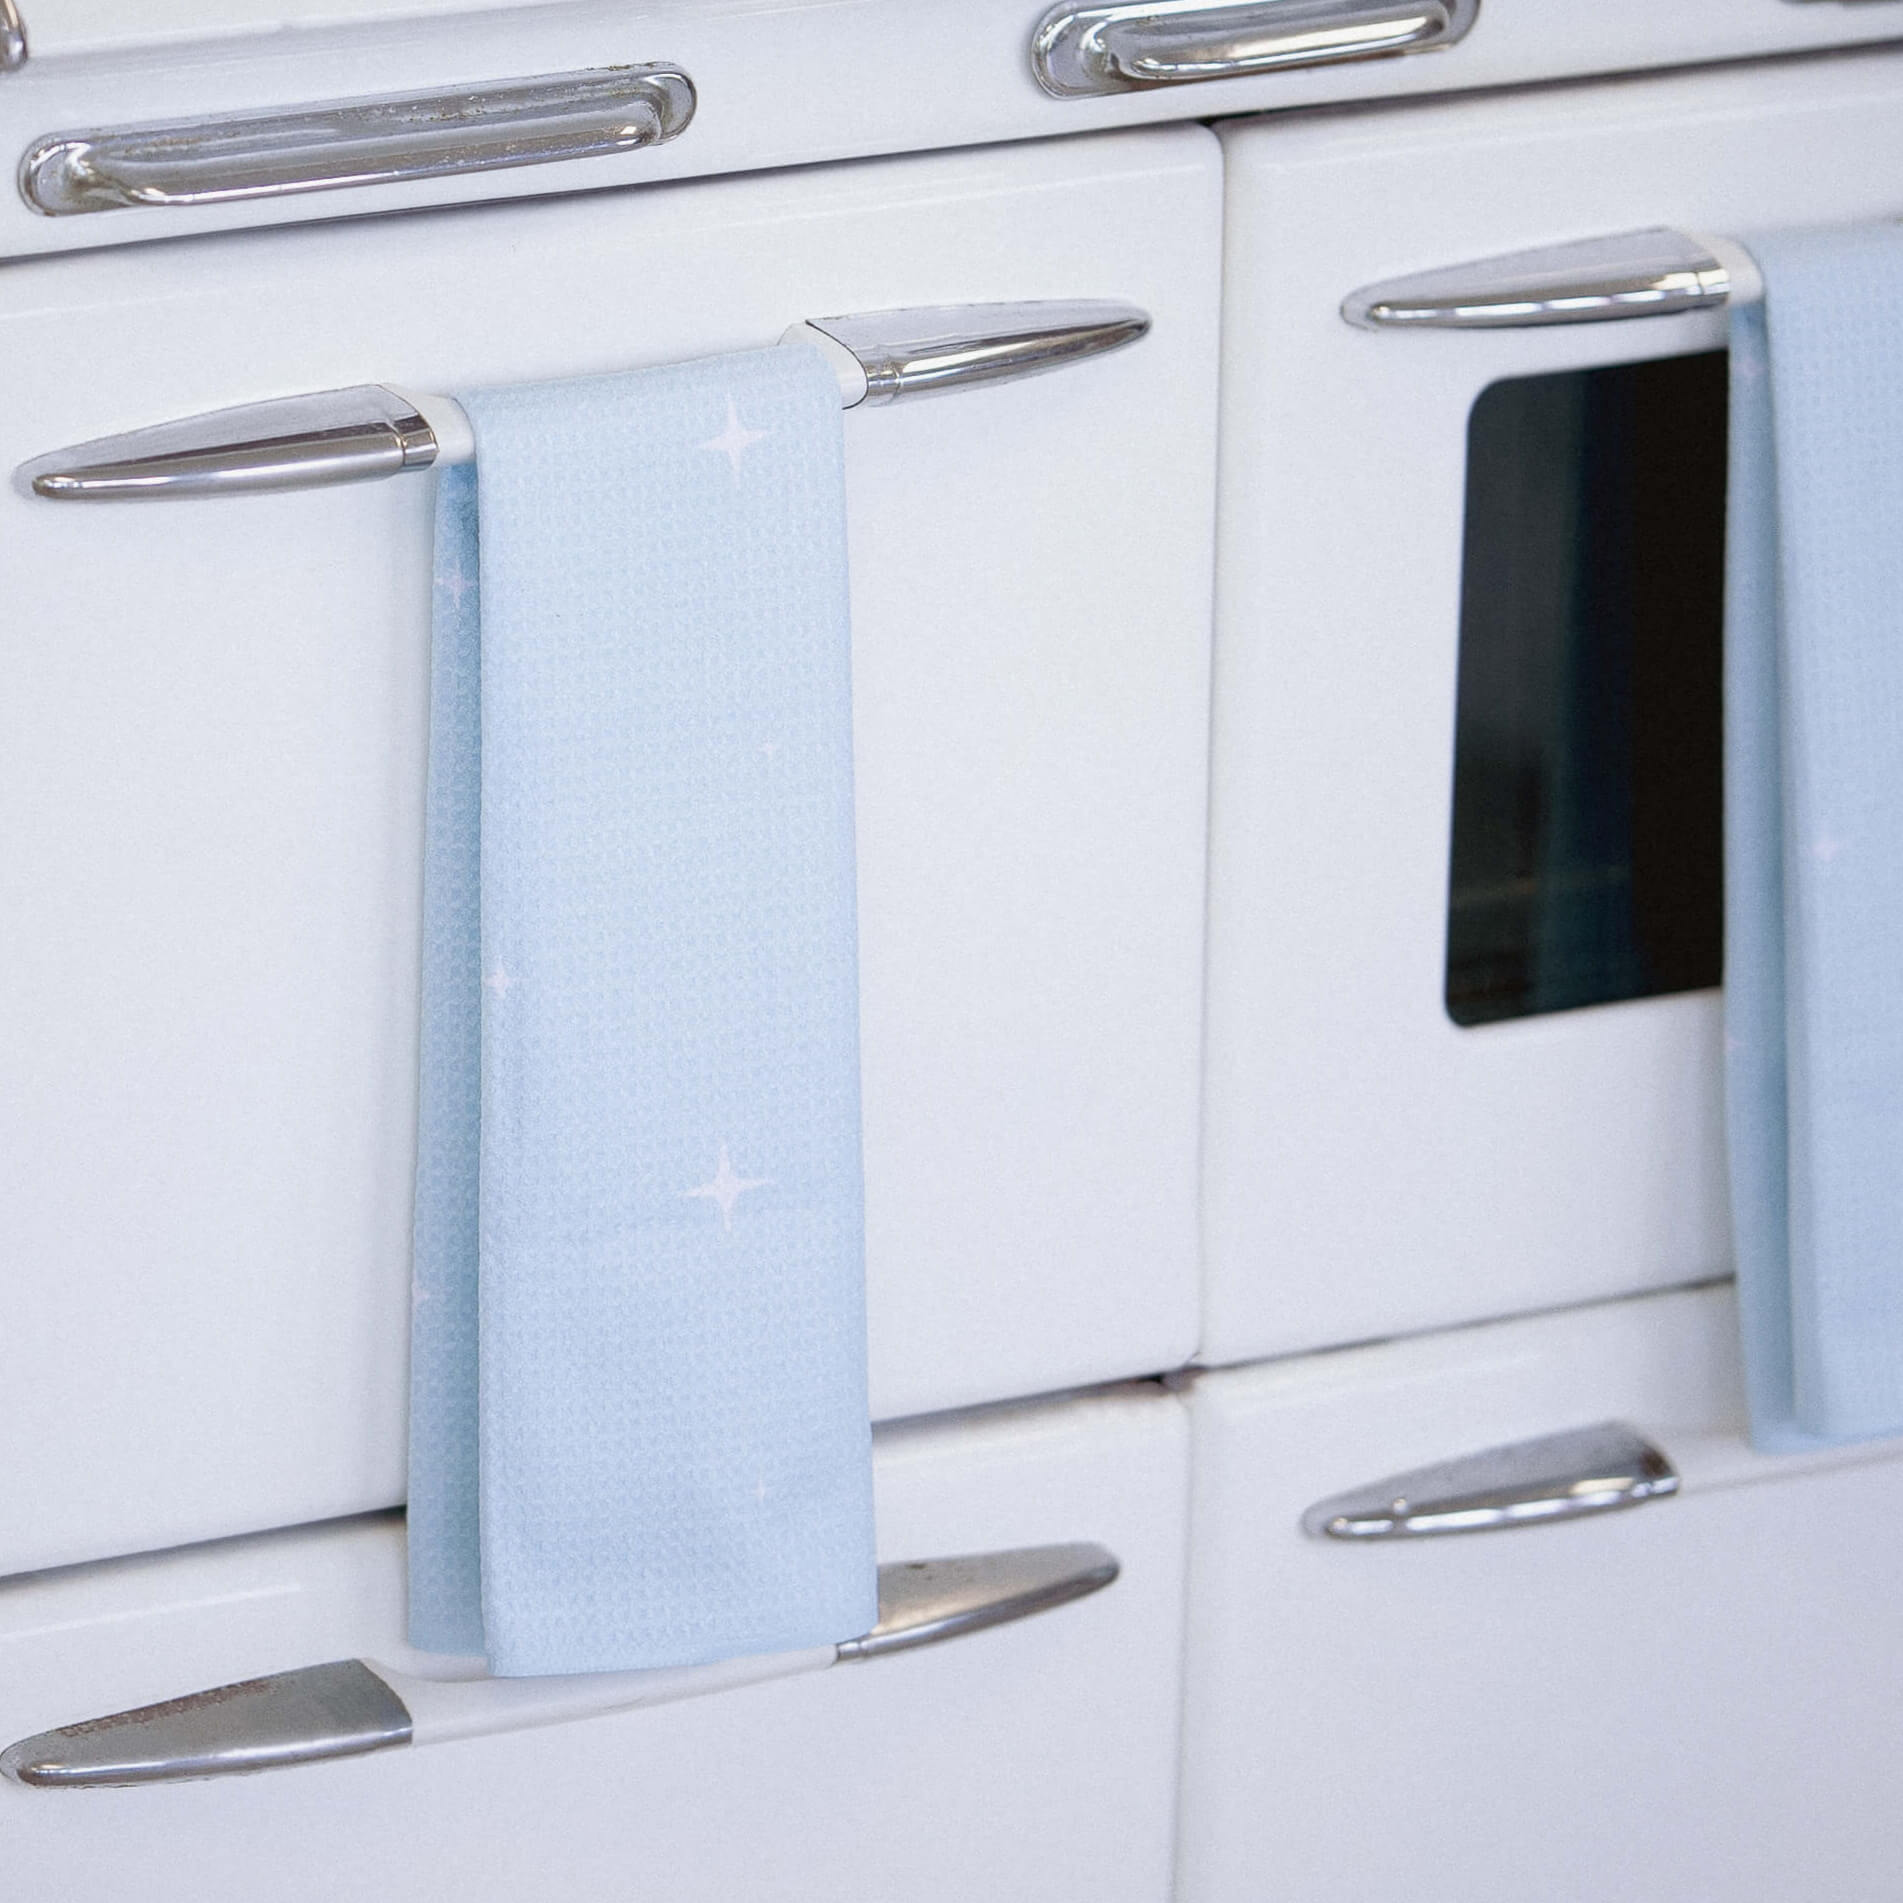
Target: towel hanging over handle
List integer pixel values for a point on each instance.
(1657, 272)
(349, 1707)
(372, 430)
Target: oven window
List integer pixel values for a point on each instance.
(1586, 862)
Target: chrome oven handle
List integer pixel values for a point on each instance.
(1568, 1476)
(350, 1707)
(1081, 50)
(371, 430)
(381, 141)
(1657, 272)
(293, 442)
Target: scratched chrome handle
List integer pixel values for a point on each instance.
(1587, 1470)
(350, 1707)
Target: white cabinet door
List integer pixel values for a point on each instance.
(211, 775)
(1371, 1165)
(777, 84)
(1033, 1759)
(1694, 1699)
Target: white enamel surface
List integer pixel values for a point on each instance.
(1372, 1168)
(1695, 1699)
(443, 1709)
(211, 774)
(1036, 1759)
(779, 83)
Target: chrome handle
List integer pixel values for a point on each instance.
(349, 1707)
(1531, 1482)
(923, 351)
(925, 1601)
(1121, 48)
(340, 1710)
(12, 38)
(295, 442)
(359, 141)
(370, 430)
(1652, 273)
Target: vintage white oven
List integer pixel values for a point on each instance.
(212, 770)
(1435, 1081)
(1463, 1041)
(1512, 1612)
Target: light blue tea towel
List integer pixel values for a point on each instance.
(639, 1228)
(1814, 834)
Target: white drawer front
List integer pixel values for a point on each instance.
(211, 768)
(1037, 1758)
(1371, 1166)
(1694, 1698)
(777, 84)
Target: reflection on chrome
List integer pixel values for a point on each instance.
(1563, 1476)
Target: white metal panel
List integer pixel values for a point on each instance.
(211, 771)
(1692, 1700)
(779, 83)
(1370, 1167)
(1036, 1759)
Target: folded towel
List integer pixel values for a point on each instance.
(1814, 834)
(639, 1224)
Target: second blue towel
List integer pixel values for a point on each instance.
(1814, 834)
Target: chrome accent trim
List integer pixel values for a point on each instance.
(923, 351)
(12, 38)
(1563, 1476)
(924, 1601)
(1078, 51)
(346, 1708)
(339, 1710)
(380, 141)
(370, 430)
(1656, 272)
(296, 442)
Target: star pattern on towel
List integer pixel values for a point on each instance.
(736, 439)
(726, 1188)
(455, 584)
(499, 981)
(1827, 848)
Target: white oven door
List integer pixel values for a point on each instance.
(1692, 1699)
(758, 83)
(1463, 1036)
(1035, 1757)
(211, 776)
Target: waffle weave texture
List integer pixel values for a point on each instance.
(1814, 834)
(639, 1431)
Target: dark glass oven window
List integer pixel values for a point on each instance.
(1586, 864)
